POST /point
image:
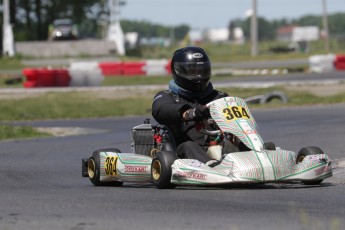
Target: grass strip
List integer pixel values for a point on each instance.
(71, 105)
(19, 132)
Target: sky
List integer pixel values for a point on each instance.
(211, 14)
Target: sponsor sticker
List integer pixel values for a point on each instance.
(198, 176)
(250, 131)
(136, 168)
(322, 170)
(197, 55)
(195, 163)
(315, 157)
(190, 175)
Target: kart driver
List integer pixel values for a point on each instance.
(182, 107)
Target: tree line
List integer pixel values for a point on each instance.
(267, 29)
(31, 20)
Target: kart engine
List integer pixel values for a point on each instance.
(143, 138)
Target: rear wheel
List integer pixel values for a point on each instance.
(270, 146)
(306, 151)
(94, 172)
(161, 169)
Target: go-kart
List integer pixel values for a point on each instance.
(154, 158)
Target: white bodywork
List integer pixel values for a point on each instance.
(257, 165)
(232, 115)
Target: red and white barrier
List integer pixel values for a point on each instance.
(43, 77)
(92, 73)
(157, 67)
(85, 74)
(321, 63)
(339, 62)
(326, 63)
(136, 68)
(111, 68)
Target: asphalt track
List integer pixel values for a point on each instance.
(41, 185)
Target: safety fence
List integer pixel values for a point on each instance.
(92, 73)
(149, 68)
(339, 62)
(326, 63)
(41, 77)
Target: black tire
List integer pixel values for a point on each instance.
(161, 169)
(93, 169)
(270, 146)
(306, 151)
(274, 95)
(84, 163)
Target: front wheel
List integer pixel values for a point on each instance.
(306, 151)
(94, 169)
(161, 169)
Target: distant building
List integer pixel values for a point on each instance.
(155, 41)
(131, 39)
(293, 33)
(284, 34)
(238, 35)
(215, 35)
(195, 36)
(305, 33)
(298, 37)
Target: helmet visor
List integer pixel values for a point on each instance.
(193, 70)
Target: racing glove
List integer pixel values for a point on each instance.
(199, 113)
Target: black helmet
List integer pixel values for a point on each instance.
(191, 68)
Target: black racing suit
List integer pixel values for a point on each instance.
(167, 109)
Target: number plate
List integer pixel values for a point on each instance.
(235, 112)
(110, 166)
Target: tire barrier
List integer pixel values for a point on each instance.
(157, 67)
(91, 73)
(267, 98)
(249, 72)
(78, 74)
(85, 74)
(136, 68)
(321, 63)
(62, 78)
(326, 63)
(111, 68)
(43, 77)
(339, 62)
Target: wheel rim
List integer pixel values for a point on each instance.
(300, 159)
(156, 170)
(91, 167)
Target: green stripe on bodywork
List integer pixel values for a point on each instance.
(274, 169)
(191, 182)
(207, 172)
(134, 162)
(306, 170)
(252, 179)
(141, 175)
(251, 143)
(262, 168)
